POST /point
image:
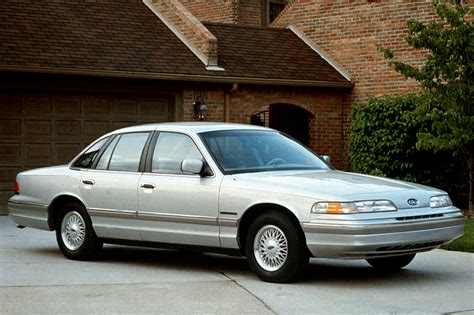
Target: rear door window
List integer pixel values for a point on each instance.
(88, 157)
(124, 153)
(104, 160)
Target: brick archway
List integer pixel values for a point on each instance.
(291, 119)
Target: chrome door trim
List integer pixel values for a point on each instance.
(176, 218)
(227, 222)
(110, 213)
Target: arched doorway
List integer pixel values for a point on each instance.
(290, 119)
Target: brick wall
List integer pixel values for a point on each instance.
(187, 24)
(225, 11)
(324, 107)
(351, 32)
(250, 12)
(214, 100)
(245, 12)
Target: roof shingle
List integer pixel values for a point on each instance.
(269, 52)
(92, 35)
(128, 37)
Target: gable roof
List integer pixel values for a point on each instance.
(91, 35)
(127, 39)
(269, 52)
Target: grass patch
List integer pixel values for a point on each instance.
(464, 243)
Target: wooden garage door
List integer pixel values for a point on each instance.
(49, 129)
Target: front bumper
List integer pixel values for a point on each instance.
(397, 233)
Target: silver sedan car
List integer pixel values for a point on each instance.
(235, 189)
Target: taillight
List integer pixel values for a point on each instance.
(17, 188)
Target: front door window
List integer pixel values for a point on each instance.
(171, 150)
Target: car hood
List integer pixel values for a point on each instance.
(334, 185)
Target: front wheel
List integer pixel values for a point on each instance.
(391, 263)
(275, 248)
(74, 234)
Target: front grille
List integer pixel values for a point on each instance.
(408, 247)
(420, 217)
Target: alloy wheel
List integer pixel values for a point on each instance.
(73, 230)
(270, 247)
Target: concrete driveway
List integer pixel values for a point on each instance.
(36, 278)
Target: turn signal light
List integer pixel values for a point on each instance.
(334, 208)
(353, 207)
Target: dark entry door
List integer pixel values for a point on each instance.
(291, 120)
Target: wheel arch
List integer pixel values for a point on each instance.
(254, 211)
(55, 206)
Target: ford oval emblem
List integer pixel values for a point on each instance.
(412, 202)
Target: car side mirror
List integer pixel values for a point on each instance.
(193, 166)
(327, 159)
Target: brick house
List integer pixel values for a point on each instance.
(71, 71)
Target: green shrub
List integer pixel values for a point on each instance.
(466, 242)
(383, 142)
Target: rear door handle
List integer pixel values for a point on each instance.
(88, 181)
(150, 186)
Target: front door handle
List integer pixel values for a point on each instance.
(88, 181)
(150, 186)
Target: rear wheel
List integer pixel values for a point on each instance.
(74, 233)
(275, 248)
(391, 263)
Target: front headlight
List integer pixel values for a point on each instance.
(375, 206)
(440, 201)
(366, 206)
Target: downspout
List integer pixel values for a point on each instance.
(227, 102)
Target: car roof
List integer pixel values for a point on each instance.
(192, 127)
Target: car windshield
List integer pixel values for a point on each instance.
(244, 151)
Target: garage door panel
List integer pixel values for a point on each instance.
(8, 173)
(36, 105)
(10, 127)
(122, 124)
(37, 128)
(64, 152)
(7, 186)
(37, 154)
(67, 106)
(123, 107)
(156, 119)
(96, 128)
(68, 128)
(12, 102)
(10, 154)
(7, 181)
(154, 107)
(95, 106)
(5, 195)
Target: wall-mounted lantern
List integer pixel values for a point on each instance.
(200, 109)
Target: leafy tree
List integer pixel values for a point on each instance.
(383, 142)
(447, 78)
